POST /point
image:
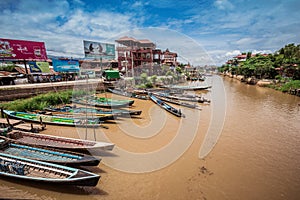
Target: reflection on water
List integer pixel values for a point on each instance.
(218, 110)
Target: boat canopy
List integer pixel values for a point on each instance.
(111, 74)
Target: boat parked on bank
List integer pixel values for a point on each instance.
(44, 154)
(133, 94)
(165, 106)
(56, 141)
(94, 111)
(103, 102)
(52, 119)
(174, 101)
(19, 168)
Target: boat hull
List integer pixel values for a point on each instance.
(58, 142)
(166, 106)
(52, 120)
(83, 110)
(46, 154)
(15, 167)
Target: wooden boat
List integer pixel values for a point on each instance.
(167, 107)
(51, 119)
(177, 102)
(103, 102)
(114, 101)
(196, 78)
(25, 169)
(182, 97)
(192, 97)
(91, 116)
(11, 147)
(188, 87)
(57, 142)
(138, 95)
(83, 110)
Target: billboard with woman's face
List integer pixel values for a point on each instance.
(22, 49)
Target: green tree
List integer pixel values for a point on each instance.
(153, 79)
(178, 70)
(249, 55)
(169, 73)
(144, 78)
(8, 68)
(164, 68)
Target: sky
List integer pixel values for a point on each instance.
(200, 31)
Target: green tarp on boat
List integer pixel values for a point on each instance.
(111, 74)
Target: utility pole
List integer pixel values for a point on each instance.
(26, 70)
(101, 65)
(132, 70)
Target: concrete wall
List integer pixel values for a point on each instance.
(12, 92)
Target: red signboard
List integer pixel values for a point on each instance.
(22, 49)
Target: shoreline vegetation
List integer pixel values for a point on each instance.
(279, 71)
(42, 101)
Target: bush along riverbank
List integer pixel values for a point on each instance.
(291, 87)
(42, 101)
(279, 70)
(285, 85)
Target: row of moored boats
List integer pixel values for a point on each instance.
(26, 155)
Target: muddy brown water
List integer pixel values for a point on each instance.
(257, 155)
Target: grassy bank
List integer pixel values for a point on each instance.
(42, 101)
(286, 87)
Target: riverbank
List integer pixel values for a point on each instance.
(290, 87)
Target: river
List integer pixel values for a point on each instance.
(157, 155)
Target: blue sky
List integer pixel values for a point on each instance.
(201, 32)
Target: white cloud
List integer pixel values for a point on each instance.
(233, 53)
(223, 5)
(247, 41)
(137, 4)
(261, 51)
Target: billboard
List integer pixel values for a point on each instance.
(66, 65)
(22, 49)
(39, 67)
(97, 50)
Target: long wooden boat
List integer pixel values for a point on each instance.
(76, 109)
(19, 168)
(91, 116)
(138, 95)
(129, 102)
(57, 142)
(167, 107)
(51, 119)
(177, 102)
(182, 97)
(103, 102)
(192, 97)
(188, 87)
(63, 157)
